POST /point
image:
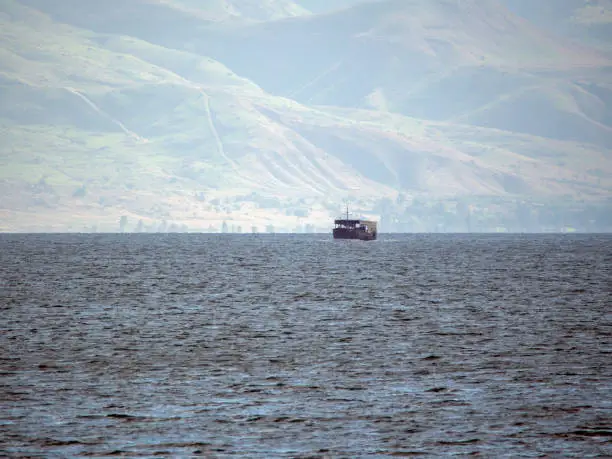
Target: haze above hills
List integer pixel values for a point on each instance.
(275, 112)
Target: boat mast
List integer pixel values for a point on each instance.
(347, 217)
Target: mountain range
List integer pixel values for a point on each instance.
(275, 112)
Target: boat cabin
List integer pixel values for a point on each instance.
(364, 225)
(354, 229)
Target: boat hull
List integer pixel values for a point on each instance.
(344, 233)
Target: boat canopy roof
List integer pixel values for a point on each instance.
(343, 221)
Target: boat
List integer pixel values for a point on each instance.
(347, 228)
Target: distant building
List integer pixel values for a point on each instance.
(123, 221)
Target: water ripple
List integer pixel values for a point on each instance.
(285, 346)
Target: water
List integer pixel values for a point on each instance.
(181, 345)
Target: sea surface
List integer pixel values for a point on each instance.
(264, 346)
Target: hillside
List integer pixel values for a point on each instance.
(116, 13)
(439, 60)
(589, 21)
(105, 115)
(325, 6)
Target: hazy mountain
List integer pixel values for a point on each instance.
(586, 20)
(155, 12)
(264, 113)
(325, 6)
(439, 60)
